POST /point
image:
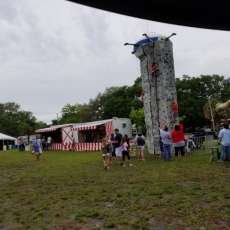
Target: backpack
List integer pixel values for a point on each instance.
(140, 141)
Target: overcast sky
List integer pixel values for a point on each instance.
(54, 52)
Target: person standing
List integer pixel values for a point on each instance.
(178, 139)
(125, 149)
(224, 137)
(43, 144)
(36, 149)
(49, 143)
(112, 139)
(40, 144)
(167, 143)
(106, 150)
(21, 144)
(117, 143)
(140, 141)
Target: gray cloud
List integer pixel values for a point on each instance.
(55, 52)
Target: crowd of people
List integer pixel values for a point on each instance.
(170, 139)
(118, 147)
(176, 139)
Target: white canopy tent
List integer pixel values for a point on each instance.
(5, 137)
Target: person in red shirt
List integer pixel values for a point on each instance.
(178, 139)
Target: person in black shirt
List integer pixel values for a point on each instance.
(117, 143)
(112, 139)
(140, 141)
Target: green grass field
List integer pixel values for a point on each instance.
(72, 191)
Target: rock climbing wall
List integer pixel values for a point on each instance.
(158, 82)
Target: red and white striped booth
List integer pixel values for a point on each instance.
(70, 136)
(77, 147)
(57, 146)
(70, 133)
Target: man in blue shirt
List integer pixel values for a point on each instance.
(224, 137)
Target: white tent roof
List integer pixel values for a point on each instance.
(6, 137)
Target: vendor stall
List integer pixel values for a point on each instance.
(51, 137)
(84, 136)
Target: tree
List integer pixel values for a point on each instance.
(193, 92)
(114, 102)
(75, 113)
(119, 101)
(16, 122)
(138, 118)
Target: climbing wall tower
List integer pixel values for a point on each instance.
(159, 89)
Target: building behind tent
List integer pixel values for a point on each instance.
(124, 125)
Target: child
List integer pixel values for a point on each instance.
(125, 149)
(106, 150)
(36, 150)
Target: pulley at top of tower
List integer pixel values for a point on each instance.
(148, 40)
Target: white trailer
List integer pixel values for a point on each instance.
(123, 124)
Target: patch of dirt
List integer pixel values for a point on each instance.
(221, 225)
(68, 225)
(157, 224)
(11, 227)
(90, 224)
(109, 204)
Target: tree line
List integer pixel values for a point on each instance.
(16, 122)
(192, 94)
(124, 101)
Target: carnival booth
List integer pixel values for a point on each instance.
(55, 133)
(85, 136)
